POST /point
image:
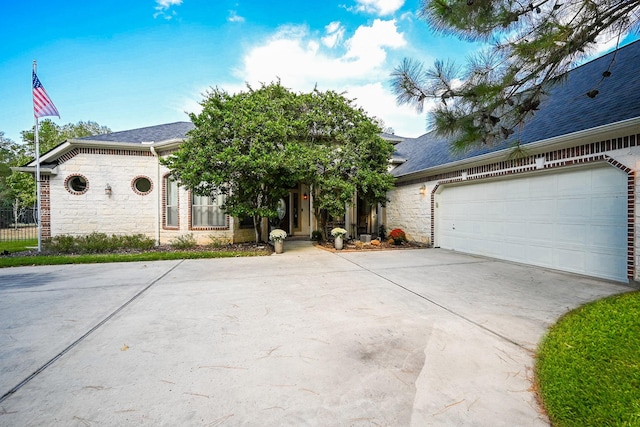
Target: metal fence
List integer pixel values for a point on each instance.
(20, 225)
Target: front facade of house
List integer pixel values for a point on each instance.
(115, 184)
(569, 201)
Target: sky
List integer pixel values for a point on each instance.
(127, 64)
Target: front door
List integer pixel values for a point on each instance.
(284, 215)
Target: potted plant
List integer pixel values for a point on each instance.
(338, 234)
(277, 236)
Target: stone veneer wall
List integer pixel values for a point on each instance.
(409, 209)
(123, 212)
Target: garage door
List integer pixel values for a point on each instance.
(573, 221)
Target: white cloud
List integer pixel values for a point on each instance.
(379, 102)
(234, 17)
(335, 34)
(162, 8)
(294, 56)
(358, 65)
(379, 7)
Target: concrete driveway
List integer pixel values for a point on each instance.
(309, 337)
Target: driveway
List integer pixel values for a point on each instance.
(420, 337)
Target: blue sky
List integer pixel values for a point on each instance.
(134, 63)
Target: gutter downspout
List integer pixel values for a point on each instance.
(158, 185)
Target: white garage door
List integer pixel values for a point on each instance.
(574, 221)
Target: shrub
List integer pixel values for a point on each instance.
(382, 231)
(316, 236)
(184, 241)
(375, 242)
(137, 241)
(217, 241)
(99, 242)
(359, 244)
(63, 244)
(398, 236)
(96, 243)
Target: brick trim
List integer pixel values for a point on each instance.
(565, 156)
(202, 228)
(104, 151)
(71, 190)
(164, 206)
(45, 206)
(133, 185)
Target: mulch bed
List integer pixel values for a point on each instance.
(354, 245)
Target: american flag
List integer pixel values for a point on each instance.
(42, 104)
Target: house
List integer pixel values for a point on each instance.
(568, 202)
(115, 184)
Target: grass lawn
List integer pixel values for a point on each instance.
(18, 245)
(588, 365)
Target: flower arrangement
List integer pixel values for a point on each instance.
(338, 232)
(398, 236)
(277, 235)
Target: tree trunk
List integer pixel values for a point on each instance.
(16, 206)
(321, 218)
(257, 227)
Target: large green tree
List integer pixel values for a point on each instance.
(254, 146)
(347, 155)
(50, 134)
(530, 45)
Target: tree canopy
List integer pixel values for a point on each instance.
(50, 134)
(254, 146)
(531, 45)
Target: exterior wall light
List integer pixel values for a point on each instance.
(423, 189)
(305, 196)
(107, 190)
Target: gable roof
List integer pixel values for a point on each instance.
(150, 134)
(566, 110)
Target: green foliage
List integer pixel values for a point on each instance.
(96, 243)
(184, 241)
(50, 134)
(588, 365)
(529, 46)
(255, 145)
(316, 236)
(382, 232)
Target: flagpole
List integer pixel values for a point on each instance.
(37, 149)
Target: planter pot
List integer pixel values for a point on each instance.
(338, 243)
(279, 246)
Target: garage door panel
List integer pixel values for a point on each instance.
(570, 259)
(571, 233)
(541, 255)
(573, 220)
(541, 208)
(606, 208)
(574, 208)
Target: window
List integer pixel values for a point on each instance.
(141, 185)
(206, 211)
(76, 184)
(170, 202)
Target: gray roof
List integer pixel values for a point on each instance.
(159, 133)
(566, 110)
